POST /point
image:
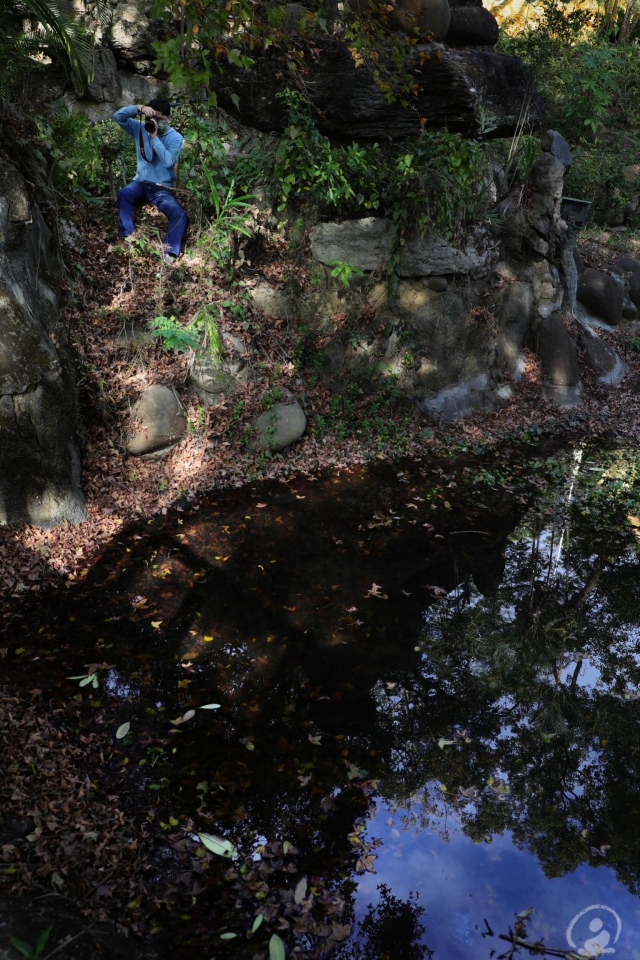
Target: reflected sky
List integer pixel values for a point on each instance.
(461, 885)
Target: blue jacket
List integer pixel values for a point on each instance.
(164, 149)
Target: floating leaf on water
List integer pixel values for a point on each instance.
(442, 743)
(301, 890)
(276, 948)
(257, 922)
(223, 848)
(228, 936)
(471, 793)
(123, 730)
(210, 706)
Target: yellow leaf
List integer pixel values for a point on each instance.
(156, 623)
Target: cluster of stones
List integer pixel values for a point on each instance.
(159, 420)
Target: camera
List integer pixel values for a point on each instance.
(151, 125)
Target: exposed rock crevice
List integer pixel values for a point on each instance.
(39, 461)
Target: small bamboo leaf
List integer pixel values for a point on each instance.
(219, 846)
(257, 923)
(123, 730)
(276, 948)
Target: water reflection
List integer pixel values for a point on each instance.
(428, 684)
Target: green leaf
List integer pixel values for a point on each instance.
(42, 939)
(228, 936)
(22, 947)
(217, 845)
(276, 948)
(257, 923)
(210, 706)
(123, 730)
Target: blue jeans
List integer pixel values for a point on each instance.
(140, 192)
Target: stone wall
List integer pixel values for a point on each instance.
(457, 329)
(39, 462)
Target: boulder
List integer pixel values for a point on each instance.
(273, 302)
(281, 425)
(428, 17)
(516, 313)
(627, 265)
(293, 17)
(362, 243)
(556, 350)
(555, 144)
(450, 87)
(601, 358)
(366, 244)
(158, 419)
(39, 460)
(212, 376)
(471, 25)
(602, 295)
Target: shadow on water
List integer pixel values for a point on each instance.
(428, 684)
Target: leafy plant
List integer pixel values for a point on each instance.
(344, 271)
(200, 333)
(175, 335)
(57, 33)
(32, 953)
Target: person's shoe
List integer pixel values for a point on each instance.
(169, 258)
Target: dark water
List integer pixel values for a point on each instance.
(428, 687)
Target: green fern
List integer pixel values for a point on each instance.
(200, 333)
(175, 336)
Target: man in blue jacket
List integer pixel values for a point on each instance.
(158, 147)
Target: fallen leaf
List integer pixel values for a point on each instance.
(217, 845)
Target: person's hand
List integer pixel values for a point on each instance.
(147, 111)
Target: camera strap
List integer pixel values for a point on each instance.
(143, 152)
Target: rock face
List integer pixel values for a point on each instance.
(106, 86)
(367, 243)
(451, 83)
(131, 34)
(159, 421)
(281, 425)
(39, 461)
(460, 323)
(536, 225)
(471, 25)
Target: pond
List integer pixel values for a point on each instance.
(400, 703)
